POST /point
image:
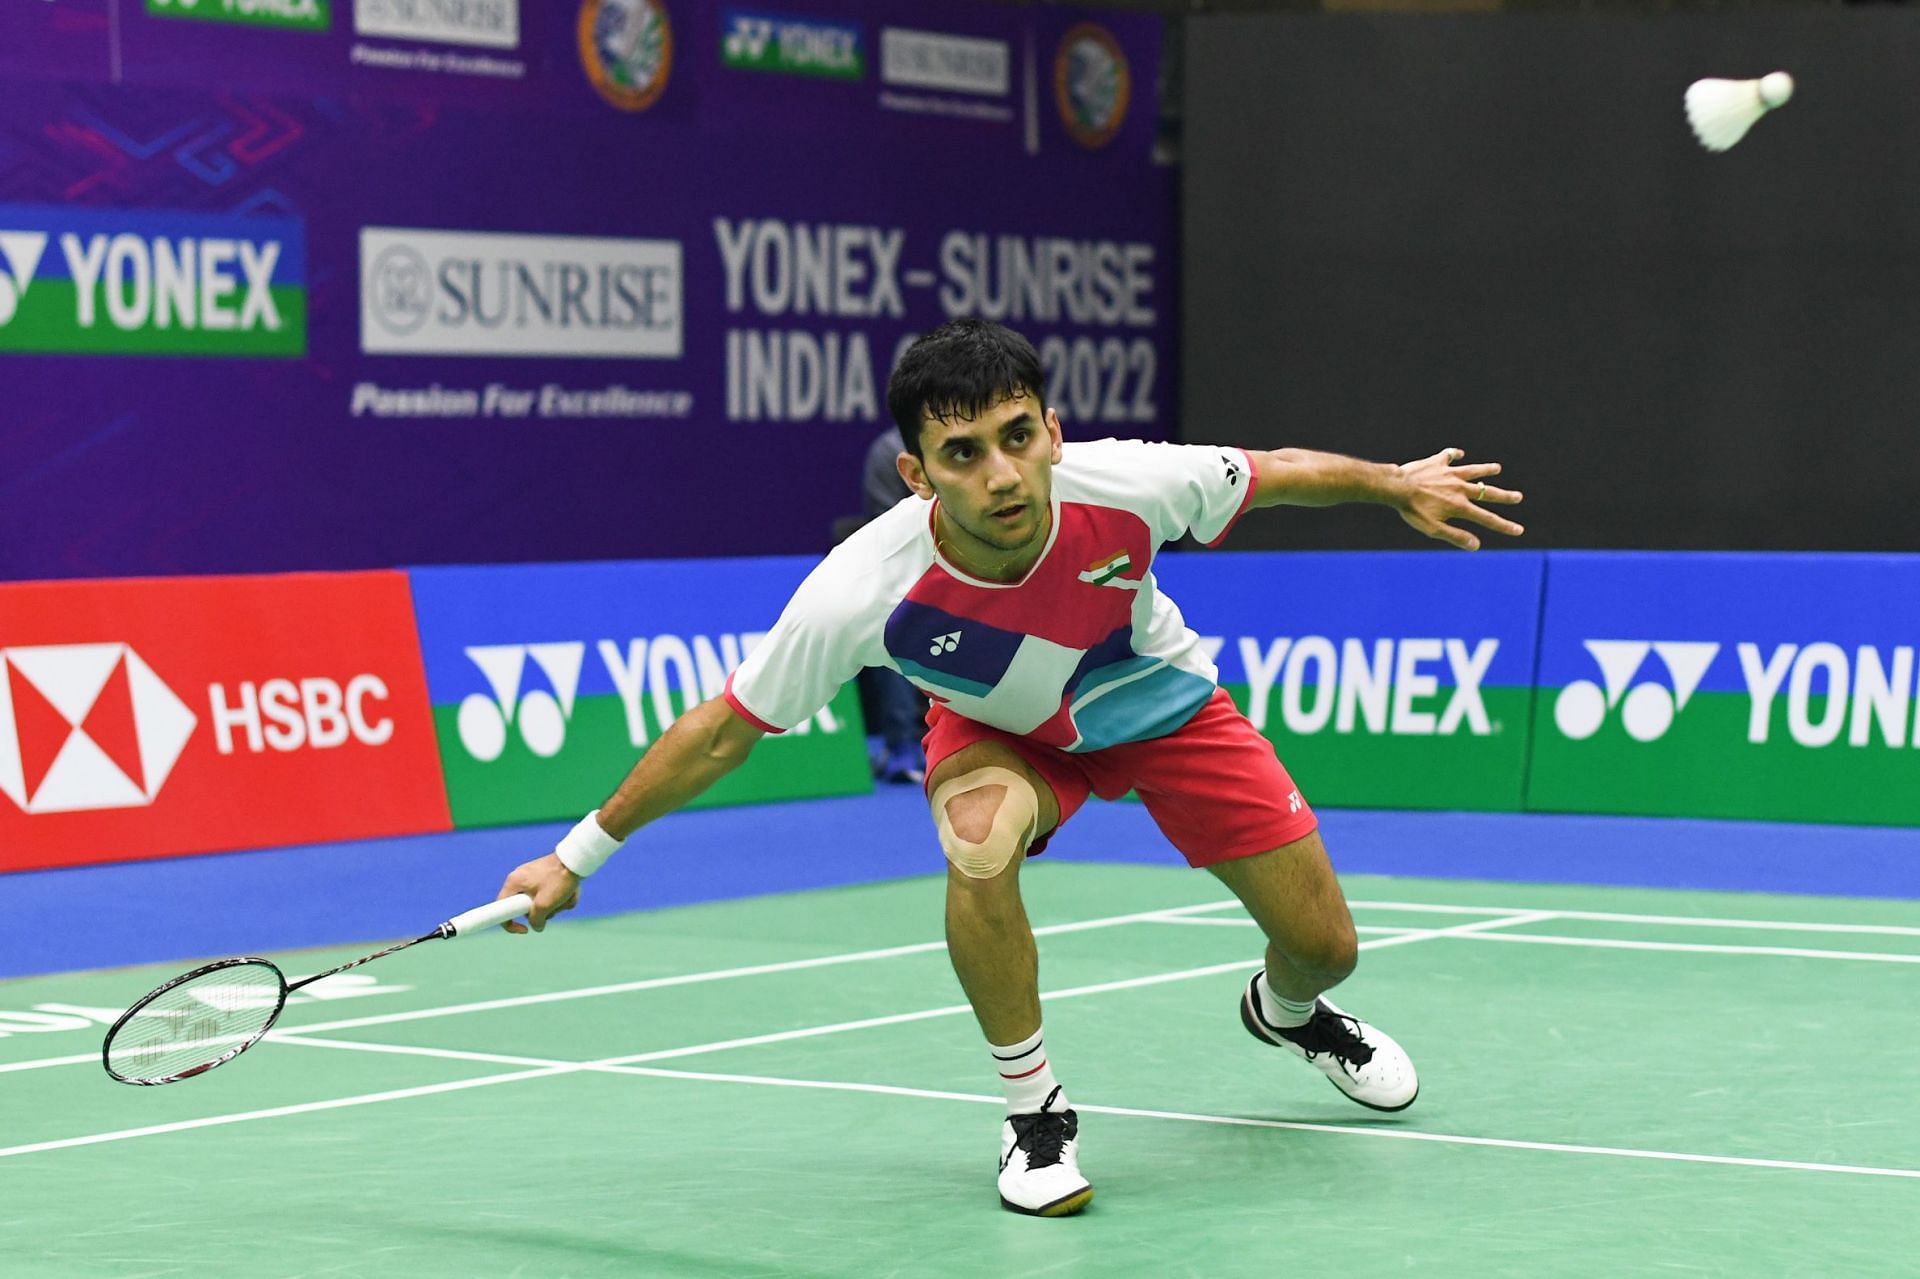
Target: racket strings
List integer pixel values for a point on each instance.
(197, 1023)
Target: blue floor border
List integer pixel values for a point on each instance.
(289, 898)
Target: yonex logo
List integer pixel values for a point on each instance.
(944, 643)
(86, 726)
(540, 716)
(1647, 709)
(1294, 802)
(19, 258)
(1233, 469)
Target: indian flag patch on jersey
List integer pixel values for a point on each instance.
(1102, 572)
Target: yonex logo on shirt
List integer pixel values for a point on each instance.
(944, 643)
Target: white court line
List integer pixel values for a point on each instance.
(338, 1103)
(804, 1032)
(37, 1063)
(1368, 929)
(681, 979)
(1703, 948)
(1602, 943)
(1400, 1134)
(1689, 921)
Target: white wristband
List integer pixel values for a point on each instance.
(586, 847)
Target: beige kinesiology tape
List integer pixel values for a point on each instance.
(1013, 822)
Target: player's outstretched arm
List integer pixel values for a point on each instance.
(1427, 493)
(697, 750)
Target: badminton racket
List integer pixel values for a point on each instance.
(205, 1018)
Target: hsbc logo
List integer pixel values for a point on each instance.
(86, 726)
(1647, 709)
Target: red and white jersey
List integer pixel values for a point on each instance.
(1083, 652)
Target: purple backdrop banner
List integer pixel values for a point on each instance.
(292, 284)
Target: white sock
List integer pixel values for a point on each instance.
(1026, 1076)
(1280, 1011)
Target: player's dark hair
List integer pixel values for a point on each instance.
(961, 369)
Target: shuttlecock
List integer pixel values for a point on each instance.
(1721, 111)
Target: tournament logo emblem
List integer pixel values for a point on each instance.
(1092, 84)
(626, 47)
(86, 726)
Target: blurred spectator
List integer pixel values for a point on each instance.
(896, 710)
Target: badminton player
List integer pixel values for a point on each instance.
(1014, 588)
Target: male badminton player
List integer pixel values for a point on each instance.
(1014, 589)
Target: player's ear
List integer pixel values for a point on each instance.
(914, 472)
(1053, 429)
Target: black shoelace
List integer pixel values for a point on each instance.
(1335, 1034)
(1043, 1136)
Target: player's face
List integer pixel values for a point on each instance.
(993, 475)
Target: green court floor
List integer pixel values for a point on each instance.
(1614, 1082)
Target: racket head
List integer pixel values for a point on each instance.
(198, 1020)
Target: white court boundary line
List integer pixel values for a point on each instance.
(782, 1036)
(1168, 915)
(678, 979)
(541, 1067)
(1602, 943)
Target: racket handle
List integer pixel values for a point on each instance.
(488, 915)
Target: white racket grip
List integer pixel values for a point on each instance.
(490, 914)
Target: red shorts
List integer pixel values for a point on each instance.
(1213, 786)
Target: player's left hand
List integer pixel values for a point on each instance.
(1436, 490)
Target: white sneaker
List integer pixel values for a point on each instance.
(1361, 1060)
(1039, 1163)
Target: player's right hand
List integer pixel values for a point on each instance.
(552, 886)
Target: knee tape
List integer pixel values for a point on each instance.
(1012, 828)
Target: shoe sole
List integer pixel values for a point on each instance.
(1254, 1028)
(1058, 1208)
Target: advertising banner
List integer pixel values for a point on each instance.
(149, 718)
(1773, 686)
(1384, 680)
(549, 681)
(498, 282)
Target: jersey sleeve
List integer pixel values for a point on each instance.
(1201, 489)
(819, 643)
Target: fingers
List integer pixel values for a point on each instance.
(542, 912)
(1493, 520)
(1454, 537)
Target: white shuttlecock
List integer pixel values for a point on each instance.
(1721, 111)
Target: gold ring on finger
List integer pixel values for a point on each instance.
(1483, 493)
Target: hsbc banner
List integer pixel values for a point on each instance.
(152, 718)
(1384, 680)
(1763, 686)
(549, 681)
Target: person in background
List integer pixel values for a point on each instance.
(898, 709)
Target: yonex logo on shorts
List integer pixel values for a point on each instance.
(1647, 710)
(86, 726)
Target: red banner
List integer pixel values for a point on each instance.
(156, 717)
